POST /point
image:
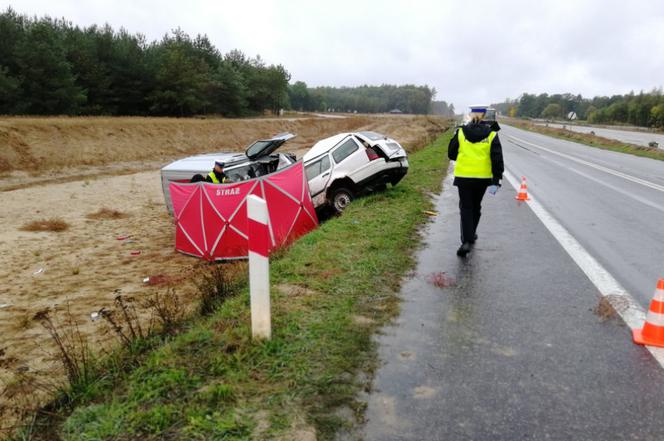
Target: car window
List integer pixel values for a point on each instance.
(257, 147)
(316, 168)
(344, 150)
(240, 173)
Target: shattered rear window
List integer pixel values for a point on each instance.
(372, 135)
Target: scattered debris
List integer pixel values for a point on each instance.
(159, 279)
(106, 213)
(407, 355)
(39, 271)
(362, 320)
(430, 213)
(135, 252)
(5, 305)
(441, 280)
(122, 237)
(605, 309)
(424, 392)
(95, 316)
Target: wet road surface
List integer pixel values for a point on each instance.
(506, 344)
(642, 138)
(612, 203)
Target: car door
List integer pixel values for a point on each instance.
(351, 156)
(318, 174)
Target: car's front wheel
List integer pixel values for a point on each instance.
(341, 198)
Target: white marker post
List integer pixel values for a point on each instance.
(259, 268)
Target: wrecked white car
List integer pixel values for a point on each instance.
(258, 160)
(346, 165)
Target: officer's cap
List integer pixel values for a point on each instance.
(478, 108)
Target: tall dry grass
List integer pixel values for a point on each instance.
(54, 224)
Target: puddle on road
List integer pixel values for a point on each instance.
(441, 280)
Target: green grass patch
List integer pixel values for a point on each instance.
(331, 291)
(590, 140)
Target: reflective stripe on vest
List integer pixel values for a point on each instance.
(474, 158)
(214, 178)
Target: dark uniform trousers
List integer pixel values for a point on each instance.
(471, 193)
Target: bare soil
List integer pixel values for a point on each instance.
(101, 177)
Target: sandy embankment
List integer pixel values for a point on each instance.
(85, 265)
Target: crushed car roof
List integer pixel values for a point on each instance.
(326, 144)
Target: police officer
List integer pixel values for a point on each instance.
(217, 175)
(479, 165)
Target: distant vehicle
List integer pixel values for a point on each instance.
(258, 160)
(489, 117)
(343, 166)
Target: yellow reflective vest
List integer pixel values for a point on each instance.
(474, 158)
(214, 178)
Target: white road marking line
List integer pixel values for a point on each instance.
(595, 166)
(624, 304)
(627, 193)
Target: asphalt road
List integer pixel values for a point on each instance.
(507, 344)
(612, 203)
(628, 136)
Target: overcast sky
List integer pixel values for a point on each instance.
(471, 52)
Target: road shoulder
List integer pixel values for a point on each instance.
(509, 345)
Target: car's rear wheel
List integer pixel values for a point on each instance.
(341, 198)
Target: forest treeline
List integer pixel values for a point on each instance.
(49, 66)
(53, 67)
(363, 99)
(644, 109)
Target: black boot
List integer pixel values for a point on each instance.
(463, 249)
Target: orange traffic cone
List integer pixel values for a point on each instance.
(523, 191)
(652, 333)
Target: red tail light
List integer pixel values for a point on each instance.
(371, 154)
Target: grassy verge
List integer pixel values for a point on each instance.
(331, 291)
(590, 140)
